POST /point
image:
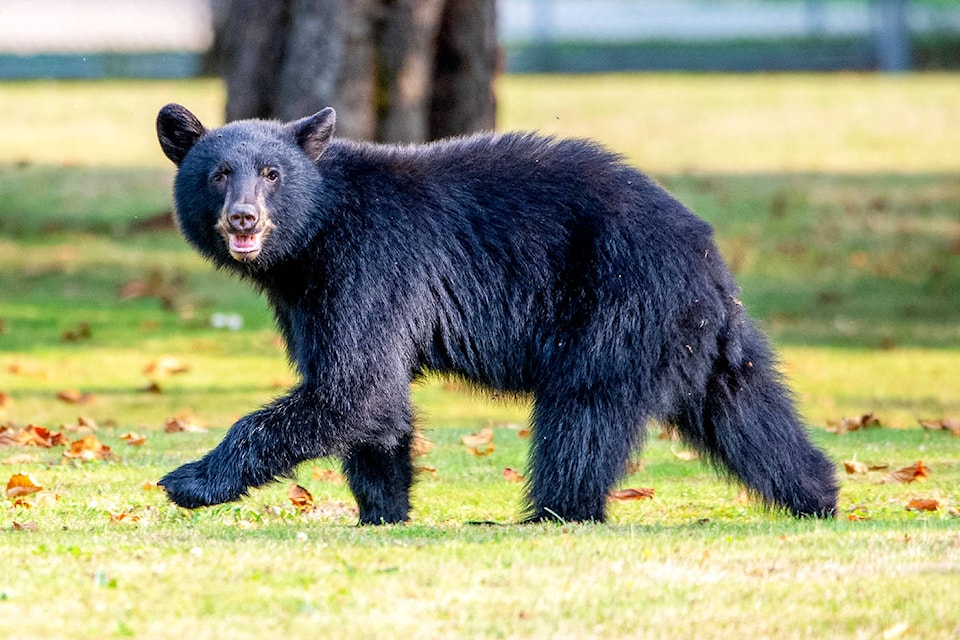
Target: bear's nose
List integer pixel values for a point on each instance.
(243, 217)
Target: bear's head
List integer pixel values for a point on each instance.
(245, 192)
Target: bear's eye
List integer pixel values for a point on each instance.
(220, 175)
(270, 175)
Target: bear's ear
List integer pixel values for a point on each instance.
(178, 130)
(313, 134)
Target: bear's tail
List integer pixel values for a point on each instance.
(744, 419)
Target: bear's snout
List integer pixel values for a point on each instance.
(244, 226)
(243, 218)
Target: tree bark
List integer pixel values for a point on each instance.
(467, 62)
(395, 70)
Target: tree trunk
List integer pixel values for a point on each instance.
(395, 70)
(467, 62)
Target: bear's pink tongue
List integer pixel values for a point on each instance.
(243, 243)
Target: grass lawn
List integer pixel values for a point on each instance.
(835, 198)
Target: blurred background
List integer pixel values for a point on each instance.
(283, 58)
(819, 137)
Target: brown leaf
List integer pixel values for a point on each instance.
(5, 401)
(299, 497)
(20, 458)
(852, 424)
(24, 526)
(481, 452)
(478, 439)
(154, 387)
(327, 475)
(84, 425)
(134, 439)
(511, 475)
(427, 469)
(855, 466)
(523, 434)
(686, 456)
(182, 422)
(670, 433)
(75, 396)
(88, 448)
(122, 517)
(78, 333)
(858, 513)
(421, 445)
(36, 436)
(923, 504)
(947, 424)
(166, 366)
(642, 493)
(21, 484)
(8, 435)
(912, 473)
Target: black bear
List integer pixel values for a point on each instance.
(522, 263)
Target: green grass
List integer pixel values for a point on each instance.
(836, 200)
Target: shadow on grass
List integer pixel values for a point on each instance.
(834, 260)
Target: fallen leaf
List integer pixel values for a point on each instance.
(75, 396)
(481, 452)
(134, 439)
(329, 509)
(670, 433)
(946, 424)
(478, 439)
(154, 388)
(858, 513)
(84, 425)
(299, 497)
(166, 366)
(427, 469)
(912, 473)
(643, 493)
(78, 333)
(686, 456)
(21, 484)
(5, 401)
(88, 448)
(24, 526)
(328, 475)
(150, 485)
(21, 458)
(512, 475)
(122, 517)
(421, 445)
(855, 466)
(523, 434)
(852, 424)
(36, 436)
(182, 422)
(923, 504)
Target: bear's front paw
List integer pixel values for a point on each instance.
(190, 486)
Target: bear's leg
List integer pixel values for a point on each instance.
(380, 478)
(262, 446)
(582, 441)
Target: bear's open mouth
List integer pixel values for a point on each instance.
(245, 247)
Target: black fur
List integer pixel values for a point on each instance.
(519, 262)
